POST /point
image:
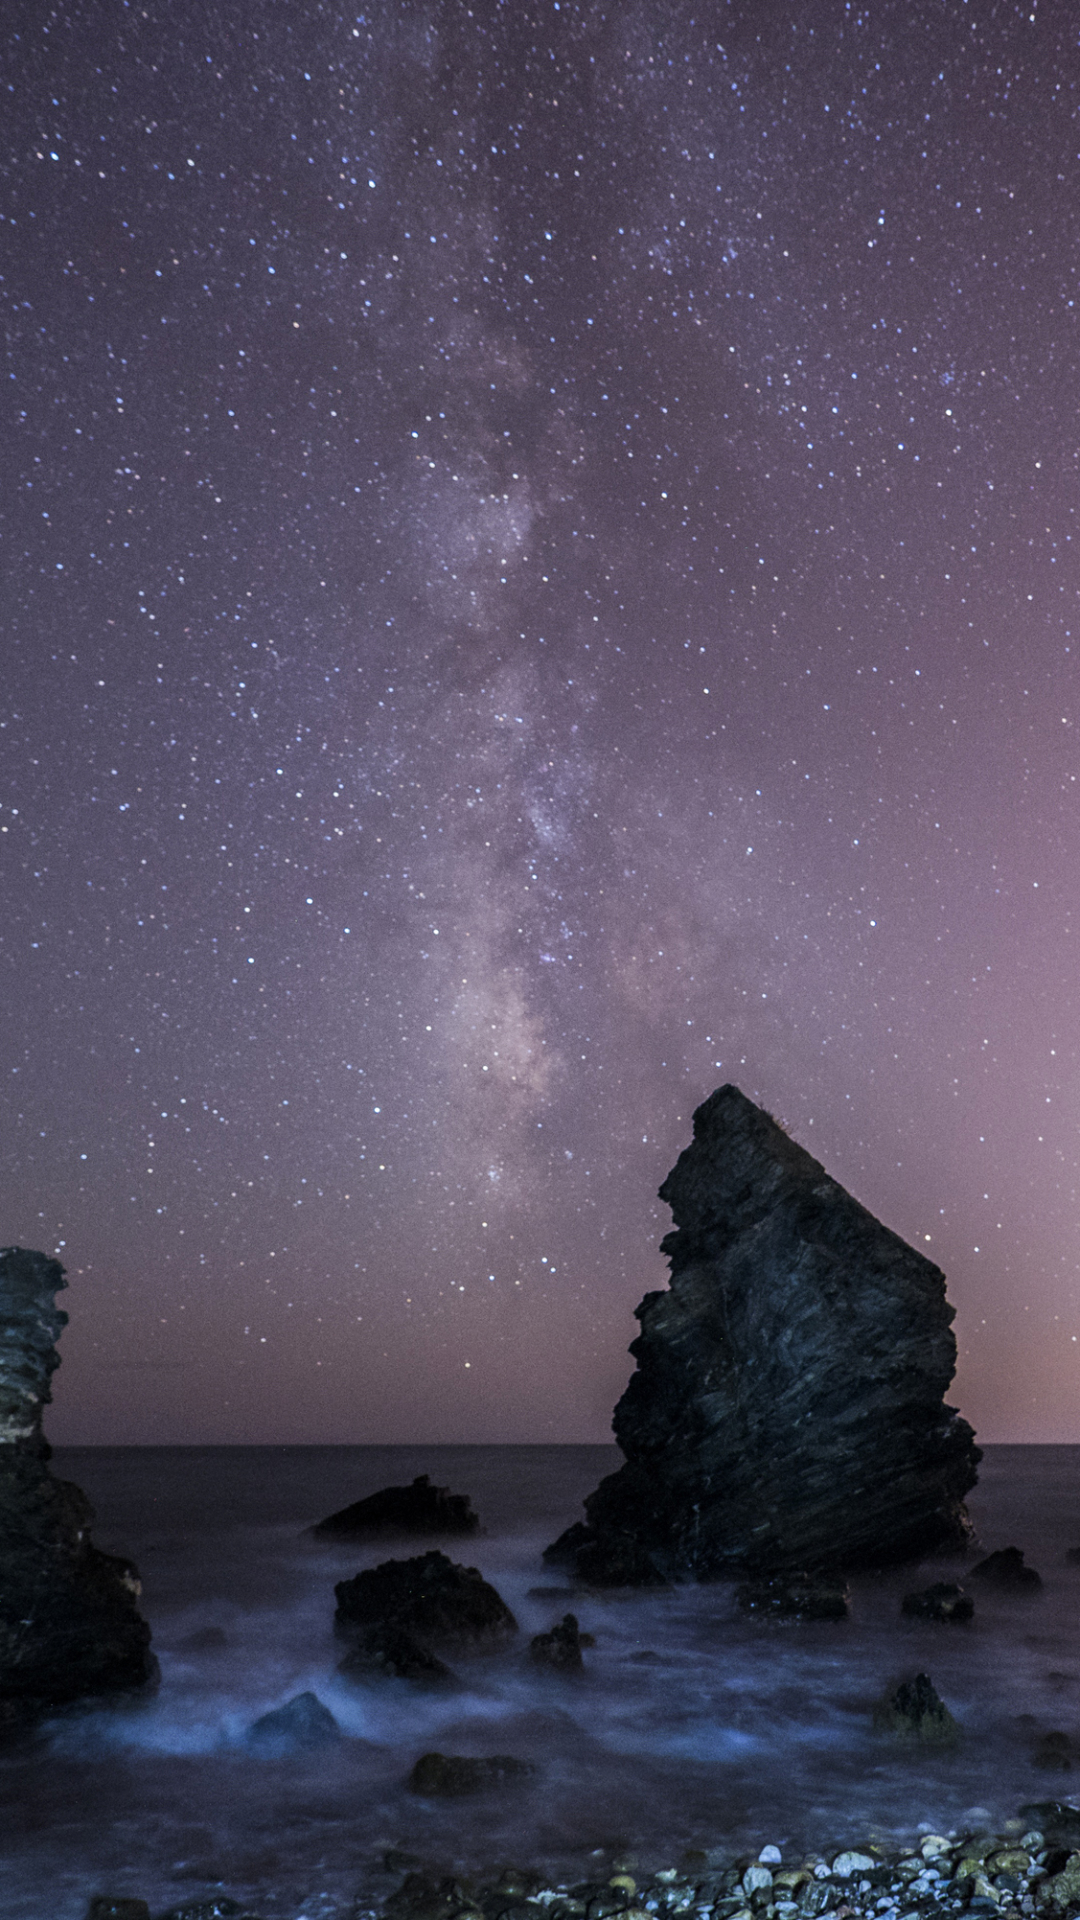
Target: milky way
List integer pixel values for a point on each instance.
(540, 577)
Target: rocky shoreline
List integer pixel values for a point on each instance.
(1021, 1869)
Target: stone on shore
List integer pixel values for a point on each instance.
(430, 1597)
(788, 1405)
(943, 1601)
(419, 1509)
(69, 1624)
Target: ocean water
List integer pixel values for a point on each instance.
(692, 1726)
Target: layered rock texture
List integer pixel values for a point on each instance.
(69, 1624)
(788, 1406)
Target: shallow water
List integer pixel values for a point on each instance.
(692, 1726)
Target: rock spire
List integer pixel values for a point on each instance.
(787, 1411)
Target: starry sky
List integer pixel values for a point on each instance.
(540, 576)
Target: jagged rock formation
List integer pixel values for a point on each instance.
(787, 1410)
(1005, 1569)
(419, 1509)
(69, 1625)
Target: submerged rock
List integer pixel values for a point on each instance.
(69, 1625)
(915, 1711)
(1053, 1753)
(450, 1775)
(560, 1648)
(787, 1410)
(391, 1653)
(795, 1596)
(430, 1597)
(1006, 1570)
(943, 1601)
(302, 1722)
(103, 1908)
(418, 1509)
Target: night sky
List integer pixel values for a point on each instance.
(539, 576)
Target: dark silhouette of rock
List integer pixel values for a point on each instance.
(430, 1597)
(103, 1908)
(1006, 1571)
(561, 1647)
(450, 1775)
(915, 1711)
(795, 1596)
(1053, 1753)
(302, 1722)
(388, 1652)
(787, 1410)
(419, 1509)
(943, 1601)
(69, 1625)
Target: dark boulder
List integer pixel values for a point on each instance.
(430, 1597)
(915, 1711)
(451, 1775)
(943, 1601)
(1006, 1571)
(560, 1648)
(795, 1596)
(788, 1404)
(419, 1509)
(387, 1652)
(302, 1722)
(69, 1624)
(103, 1908)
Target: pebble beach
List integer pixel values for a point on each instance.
(1021, 1870)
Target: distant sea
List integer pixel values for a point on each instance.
(692, 1727)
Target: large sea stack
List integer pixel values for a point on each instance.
(788, 1406)
(69, 1625)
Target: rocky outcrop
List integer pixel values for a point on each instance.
(788, 1406)
(437, 1602)
(419, 1509)
(69, 1624)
